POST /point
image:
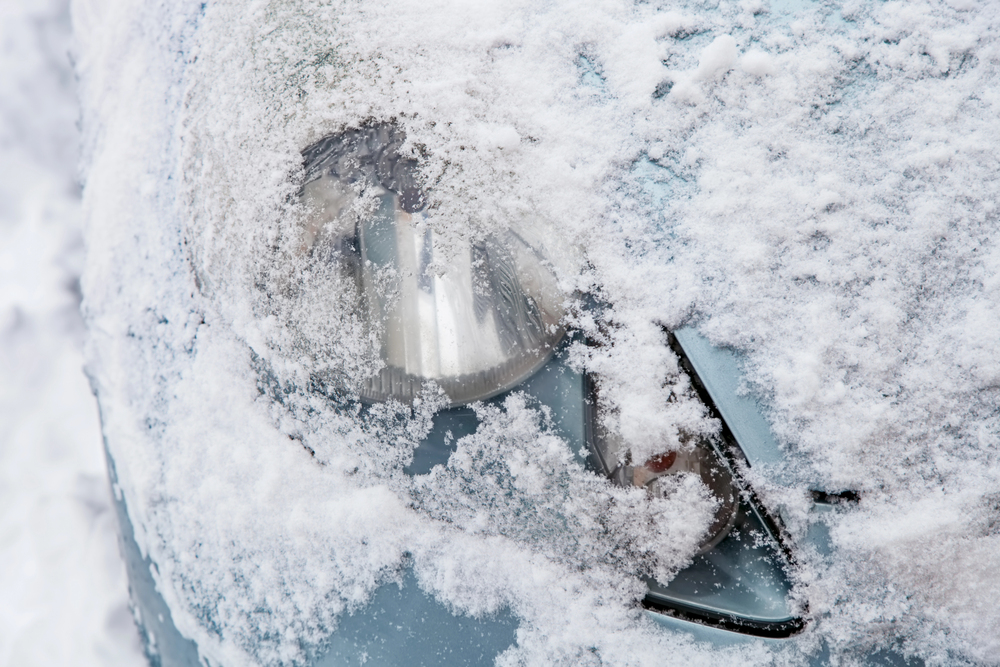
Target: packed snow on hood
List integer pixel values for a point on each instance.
(811, 184)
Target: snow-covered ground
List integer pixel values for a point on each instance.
(63, 594)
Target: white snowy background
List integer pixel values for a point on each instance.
(63, 593)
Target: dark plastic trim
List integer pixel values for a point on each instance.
(731, 622)
(829, 498)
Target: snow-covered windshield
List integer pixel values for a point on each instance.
(812, 184)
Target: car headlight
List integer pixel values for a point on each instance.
(477, 330)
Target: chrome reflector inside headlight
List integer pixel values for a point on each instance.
(476, 318)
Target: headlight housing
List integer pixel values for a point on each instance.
(476, 330)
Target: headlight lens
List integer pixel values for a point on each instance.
(476, 321)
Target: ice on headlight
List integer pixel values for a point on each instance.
(475, 317)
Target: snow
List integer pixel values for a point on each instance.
(62, 583)
(814, 185)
